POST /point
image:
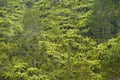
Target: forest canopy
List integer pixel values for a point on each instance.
(59, 40)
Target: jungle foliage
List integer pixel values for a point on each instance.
(59, 40)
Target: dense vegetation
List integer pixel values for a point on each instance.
(59, 40)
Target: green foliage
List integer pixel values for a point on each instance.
(59, 40)
(110, 61)
(104, 23)
(3, 3)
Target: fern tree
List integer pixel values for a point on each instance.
(62, 49)
(10, 29)
(110, 60)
